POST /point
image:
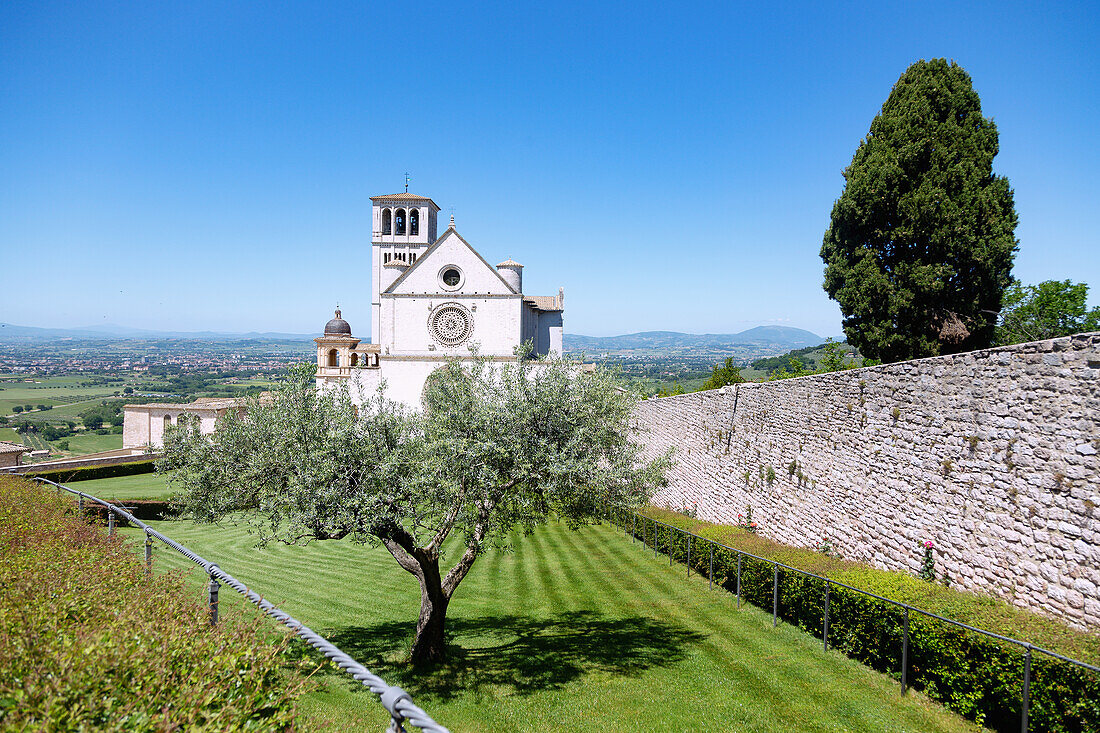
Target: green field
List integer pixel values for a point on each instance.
(82, 443)
(10, 435)
(60, 391)
(140, 486)
(572, 631)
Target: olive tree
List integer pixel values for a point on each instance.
(497, 447)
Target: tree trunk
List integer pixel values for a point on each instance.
(430, 643)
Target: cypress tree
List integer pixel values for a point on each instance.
(920, 246)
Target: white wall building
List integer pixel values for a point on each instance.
(432, 299)
(145, 425)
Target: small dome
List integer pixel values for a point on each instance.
(337, 326)
(396, 263)
(509, 263)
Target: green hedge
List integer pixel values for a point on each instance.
(89, 642)
(975, 675)
(66, 475)
(149, 510)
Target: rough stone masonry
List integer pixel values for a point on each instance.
(991, 455)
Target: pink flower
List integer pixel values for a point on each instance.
(928, 544)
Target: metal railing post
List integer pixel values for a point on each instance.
(393, 698)
(775, 595)
(710, 572)
(214, 585)
(739, 580)
(689, 556)
(670, 546)
(654, 538)
(633, 539)
(148, 552)
(825, 626)
(80, 504)
(110, 523)
(905, 651)
(1025, 701)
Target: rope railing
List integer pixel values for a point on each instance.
(1028, 648)
(395, 700)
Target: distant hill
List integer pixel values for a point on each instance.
(29, 334)
(777, 336)
(781, 337)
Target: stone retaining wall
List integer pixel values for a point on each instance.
(991, 455)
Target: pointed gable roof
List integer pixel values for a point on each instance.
(431, 250)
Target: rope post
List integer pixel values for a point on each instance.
(739, 580)
(905, 651)
(110, 523)
(710, 572)
(148, 553)
(1025, 701)
(390, 698)
(825, 626)
(214, 585)
(775, 595)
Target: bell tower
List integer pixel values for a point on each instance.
(403, 225)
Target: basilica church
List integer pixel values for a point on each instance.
(432, 299)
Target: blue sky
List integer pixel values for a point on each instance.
(200, 166)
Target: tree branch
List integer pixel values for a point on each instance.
(448, 524)
(402, 546)
(473, 549)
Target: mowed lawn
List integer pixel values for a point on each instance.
(138, 486)
(571, 631)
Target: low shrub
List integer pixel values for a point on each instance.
(144, 509)
(65, 475)
(88, 642)
(975, 675)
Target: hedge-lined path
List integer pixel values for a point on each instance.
(572, 631)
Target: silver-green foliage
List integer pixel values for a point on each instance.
(497, 446)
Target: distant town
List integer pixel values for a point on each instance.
(62, 392)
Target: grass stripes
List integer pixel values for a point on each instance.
(567, 631)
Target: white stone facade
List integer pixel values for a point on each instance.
(144, 425)
(992, 455)
(432, 299)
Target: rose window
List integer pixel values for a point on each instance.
(451, 324)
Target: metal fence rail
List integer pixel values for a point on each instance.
(396, 701)
(609, 514)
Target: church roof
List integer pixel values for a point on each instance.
(337, 326)
(543, 302)
(509, 263)
(6, 446)
(435, 245)
(405, 196)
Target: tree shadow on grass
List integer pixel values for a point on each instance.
(519, 654)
